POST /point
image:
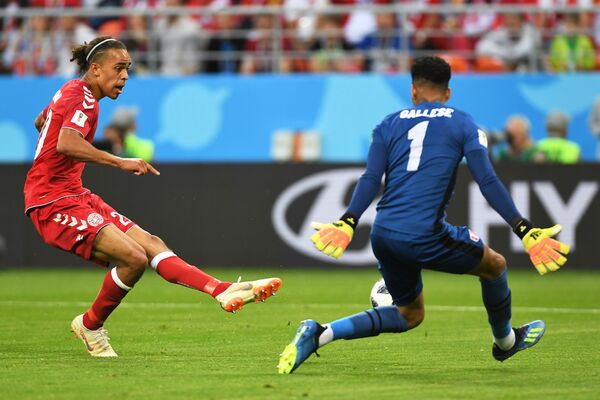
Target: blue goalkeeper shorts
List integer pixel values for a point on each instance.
(456, 250)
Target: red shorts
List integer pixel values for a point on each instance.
(72, 223)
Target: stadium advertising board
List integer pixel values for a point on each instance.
(259, 214)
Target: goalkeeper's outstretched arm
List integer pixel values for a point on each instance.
(333, 238)
(546, 254)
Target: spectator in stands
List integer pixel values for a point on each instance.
(429, 35)
(54, 3)
(360, 22)
(300, 19)
(520, 146)
(97, 22)
(180, 40)
(112, 140)
(137, 40)
(260, 46)
(8, 25)
(299, 61)
(594, 123)
(596, 29)
(572, 50)
(462, 30)
(475, 24)
(556, 148)
(71, 31)
(331, 52)
(224, 46)
(120, 137)
(384, 46)
(29, 50)
(516, 44)
(302, 16)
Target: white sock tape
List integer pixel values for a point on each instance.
(115, 277)
(159, 257)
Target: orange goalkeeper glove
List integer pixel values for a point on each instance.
(333, 238)
(546, 254)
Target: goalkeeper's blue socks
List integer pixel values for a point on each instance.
(365, 324)
(496, 298)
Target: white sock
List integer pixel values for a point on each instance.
(506, 342)
(326, 336)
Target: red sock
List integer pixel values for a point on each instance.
(175, 270)
(110, 296)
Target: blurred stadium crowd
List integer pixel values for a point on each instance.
(179, 37)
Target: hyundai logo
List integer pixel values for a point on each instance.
(327, 206)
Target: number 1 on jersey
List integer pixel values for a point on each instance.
(416, 135)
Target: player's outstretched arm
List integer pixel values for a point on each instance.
(546, 254)
(71, 144)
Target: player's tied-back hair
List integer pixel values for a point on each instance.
(431, 70)
(91, 52)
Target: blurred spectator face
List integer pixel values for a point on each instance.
(173, 3)
(386, 21)
(513, 24)
(263, 22)
(225, 21)
(113, 134)
(557, 124)
(571, 24)
(517, 133)
(137, 23)
(67, 23)
(331, 29)
(432, 21)
(39, 24)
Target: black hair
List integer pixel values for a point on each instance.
(81, 53)
(431, 70)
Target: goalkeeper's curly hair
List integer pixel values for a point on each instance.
(431, 70)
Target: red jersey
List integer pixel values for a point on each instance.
(53, 175)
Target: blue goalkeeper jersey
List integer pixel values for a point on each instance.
(419, 150)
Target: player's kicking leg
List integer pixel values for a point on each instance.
(497, 300)
(231, 296)
(235, 296)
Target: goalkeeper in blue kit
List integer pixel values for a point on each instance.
(419, 150)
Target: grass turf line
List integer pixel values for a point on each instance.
(176, 343)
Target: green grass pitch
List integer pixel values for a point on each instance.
(175, 343)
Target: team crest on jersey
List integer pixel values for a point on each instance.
(95, 219)
(474, 237)
(79, 118)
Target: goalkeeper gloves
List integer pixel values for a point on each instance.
(546, 254)
(333, 238)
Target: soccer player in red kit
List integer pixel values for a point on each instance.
(71, 218)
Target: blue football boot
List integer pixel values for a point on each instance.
(525, 337)
(304, 344)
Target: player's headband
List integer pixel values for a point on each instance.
(87, 58)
